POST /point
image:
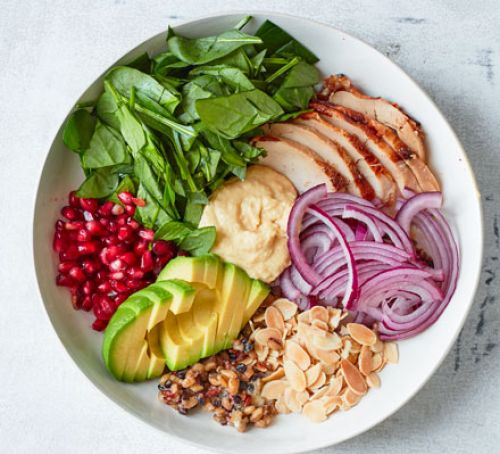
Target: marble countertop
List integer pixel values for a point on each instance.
(51, 49)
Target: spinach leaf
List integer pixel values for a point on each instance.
(229, 75)
(209, 160)
(237, 59)
(231, 116)
(78, 130)
(167, 63)
(142, 63)
(193, 212)
(151, 214)
(126, 184)
(101, 183)
(106, 148)
(125, 79)
(297, 88)
(248, 151)
(228, 153)
(199, 51)
(173, 231)
(200, 241)
(278, 42)
(106, 109)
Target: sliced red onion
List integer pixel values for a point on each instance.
(414, 205)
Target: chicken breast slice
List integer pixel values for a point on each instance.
(341, 91)
(328, 150)
(393, 163)
(304, 168)
(368, 165)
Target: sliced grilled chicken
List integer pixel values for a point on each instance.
(304, 168)
(341, 91)
(328, 150)
(368, 165)
(393, 163)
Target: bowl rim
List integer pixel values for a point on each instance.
(402, 73)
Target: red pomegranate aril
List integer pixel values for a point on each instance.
(104, 287)
(101, 276)
(133, 284)
(71, 214)
(139, 202)
(117, 275)
(115, 251)
(89, 205)
(59, 225)
(99, 325)
(120, 298)
(112, 227)
(118, 265)
(164, 248)
(63, 280)
(105, 208)
(64, 267)
(88, 287)
(181, 253)
(59, 244)
(140, 247)
(83, 235)
(126, 197)
(89, 247)
(90, 266)
(73, 200)
(125, 233)
(129, 258)
(130, 210)
(87, 303)
(117, 209)
(122, 220)
(71, 226)
(135, 272)
(76, 298)
(147, 261)
(133, 224)
(104, 222)
(119, 286)
(69, 253)
(147, 234)
(104, 256)
(94, 228)
(77, 274)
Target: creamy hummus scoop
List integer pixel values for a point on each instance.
(251, 218)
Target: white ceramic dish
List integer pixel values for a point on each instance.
(419, 357)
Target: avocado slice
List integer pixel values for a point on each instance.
(130, 351)
(258, 293)
(205, 269)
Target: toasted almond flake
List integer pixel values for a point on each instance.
(346, 348)
(319, 313)
(351, 398)
(319, 393)
(262, 351)
(303, 317)
(328, 369)
(391, 353)
(262, 336)
(377, 347)
(287, 308)
(377, 361)
(331, 341)
(312, 374)
(273, 389)
(295, 400)
(343, 330)
(320, 324)
(365, 360)
(362, 334)
(276, 375)
(314, 411)
(353, 377)
(331, 403)
(320, 381)
(258, 318)
(294, 375)
(281, 406)
(335, 386)
(275, 344)
(334, 319)
(328, 357)
(355, 347)
(274, 319)
(295, 353)
(373, 380)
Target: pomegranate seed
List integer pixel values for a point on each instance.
(89, 247)
(135, 272)
(119, 286)
(76, 298)
(119, 299)
(103, 255)
(111, 240)
(133, 224)
(59, 244)
(87, 303)
(77, 274)
(73, 225)
(181, 253)
(112, 227)
(90, 266)
(73, 200)
(88, 287)
(117, 265)
(129, 258)
(104, 222)
(65, 281)
(130, 210)
(64, 267)
(139, 202)
(99, 325)
(104, 287)
(115, 251)
(117, 209)
(105, 208)
(59, 225)
(89, 205)
(140, 247)
(71, 253)
(101, 276)
(88, 216)
(147, 261)
(133, 284)
(164, 248)
(94, 228)
(117, 275)
(83, 235)
(122, 219)
(126, 198)
(125, 233)
(71, 214)
(147, 234)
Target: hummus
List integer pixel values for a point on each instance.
(251, 218)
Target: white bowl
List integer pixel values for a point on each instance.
(419, 357)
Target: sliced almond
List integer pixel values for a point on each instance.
(320, 324)
(276, 375)
(320, 381)
(351, 398)
(281, 406)
(331, 341)
(391, 353)
(287, 308)
(263, 336)
(312, 374)
(335, 386)
(362, 334)
(262, 351)
(318, 394)
(373, 380)
(346, 347)
(334, 319)
(353, 377)
(377, 361)
(329, 369)
(377, 347)
(294, 375)
(295, 353)
(274, 319)
(331, 403)
(295, 400)
(319, 313)
(273, 389)
(365, 360)
(314, 411)
(303, 317)
(329, 357)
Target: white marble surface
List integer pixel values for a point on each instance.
(51, 49)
